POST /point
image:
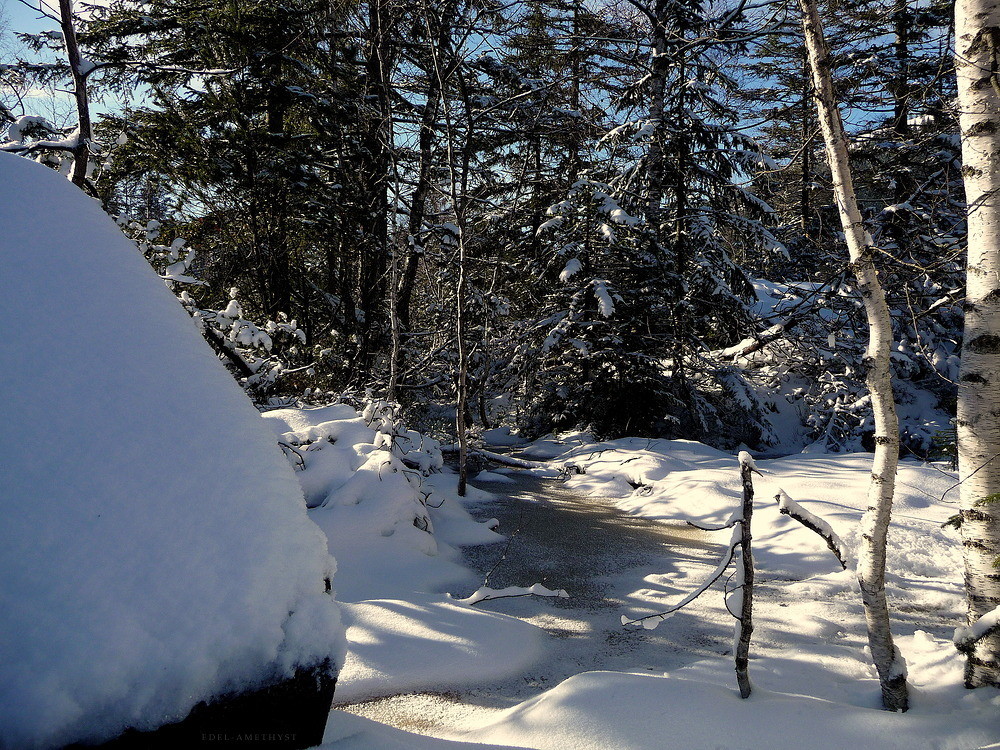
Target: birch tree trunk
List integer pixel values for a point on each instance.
(875, 524)
(977, 60)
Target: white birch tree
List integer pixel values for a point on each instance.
(875, 523)
(977, 61)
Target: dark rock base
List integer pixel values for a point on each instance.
(290, 714)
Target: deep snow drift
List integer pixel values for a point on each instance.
(154, 538)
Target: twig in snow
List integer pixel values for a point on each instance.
(295, 452)
(727, 525)
(506, 549)
(485, 594)
(789, 507)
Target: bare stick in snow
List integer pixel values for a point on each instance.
(744, 578)
(789, 507)
(651, 621)
(727, 525)
(485, 593)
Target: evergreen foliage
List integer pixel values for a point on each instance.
(630, 200)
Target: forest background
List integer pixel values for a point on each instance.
(615, 216)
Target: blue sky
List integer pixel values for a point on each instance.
(22, 18)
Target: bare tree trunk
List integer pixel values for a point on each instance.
(373, 261)
(805, 188)
(977, 60)
(418, 202)
(901, 81)
(657, 86)
(458, 174)
(875, 524)
(438, 22)
(745, 621)
(396, 353)
(78, 71)
(462, 385)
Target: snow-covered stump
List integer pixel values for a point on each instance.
(744, 579)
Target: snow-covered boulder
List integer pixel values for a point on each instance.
(156, 550)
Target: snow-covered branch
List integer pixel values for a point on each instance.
(485, 593)
(811, 521)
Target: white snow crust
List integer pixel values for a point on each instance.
(154, 538)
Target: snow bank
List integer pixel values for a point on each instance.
(396, 532)
(379, 515)
(348, 732)
(154, 539)
(599, 710)
(400, 646)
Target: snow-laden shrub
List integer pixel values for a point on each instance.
(347, 458)
(260, 354)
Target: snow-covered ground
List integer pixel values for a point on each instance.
(813, 684)
(397, 534)
(155, 542)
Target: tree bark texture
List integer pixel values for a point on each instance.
(81, 153)
(977, 60)
(875, 523)
(745, 626)
(660, 66)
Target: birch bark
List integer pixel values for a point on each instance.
(977, 61)
(875, 523)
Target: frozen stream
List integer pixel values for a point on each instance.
(609, 563)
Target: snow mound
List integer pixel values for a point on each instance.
(155, 540)
(364, 483)
(597, 710)
(346, 731)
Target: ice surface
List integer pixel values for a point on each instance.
(154, 538)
